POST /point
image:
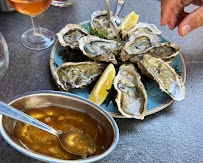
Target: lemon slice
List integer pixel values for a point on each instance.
(129, 21)
(103, 86)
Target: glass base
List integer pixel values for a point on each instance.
(3, 67)
(38, 42)
(62, 3)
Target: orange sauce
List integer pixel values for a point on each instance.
(30, 7)
(62, 119)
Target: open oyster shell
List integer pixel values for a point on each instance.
(166, 77)
(166, 51)
(131, 97)
(77, 74)
(138, 43)
(144, 27)
(70, 35)
(99, 49)
(99, 21)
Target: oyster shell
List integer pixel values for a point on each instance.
(132, 97)
(144, 27)
(70, 35)
(166, 77)
(77, 74)
(99, 49)
(138, 43)
(99, 21)
(166, 51)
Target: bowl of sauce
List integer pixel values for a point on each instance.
(62, 111)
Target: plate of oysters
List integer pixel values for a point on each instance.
(150, 70)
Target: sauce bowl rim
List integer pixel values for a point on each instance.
(52, 159)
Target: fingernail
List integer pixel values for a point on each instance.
(186, 29)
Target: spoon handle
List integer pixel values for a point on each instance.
(19, 115)
(119, 6)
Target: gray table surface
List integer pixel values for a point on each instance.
(174, 134)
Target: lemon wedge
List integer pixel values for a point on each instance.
(129, 21)
(103, 86)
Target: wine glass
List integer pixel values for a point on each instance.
(36, 38)
(4, 56)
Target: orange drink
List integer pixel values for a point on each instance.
(36, 38)
(30, 7)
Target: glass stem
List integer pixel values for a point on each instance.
(36, 27)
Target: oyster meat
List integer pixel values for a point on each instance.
(131, 94)
(99, 21)
(138, 43)
(99, 49)
(144, 27)
(166, 51)
(166, 77)
(77, 74)
(70, 35)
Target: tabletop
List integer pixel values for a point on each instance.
(174, 134)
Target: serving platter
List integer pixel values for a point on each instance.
(157, 100)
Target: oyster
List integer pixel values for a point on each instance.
(144, 27)
(99, 49)
(166, 77)
(166, 51)
(132, 97)
(70, 35)
(77, 74)
(138, 43)
(99, 21)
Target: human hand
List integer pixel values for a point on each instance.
(173, 14)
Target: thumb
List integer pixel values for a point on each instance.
(191, 21)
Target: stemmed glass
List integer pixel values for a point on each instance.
(36, 38)
(4, 56)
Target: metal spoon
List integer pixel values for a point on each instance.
(73, 140)
(108, 12)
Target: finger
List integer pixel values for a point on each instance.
(167, 7)
(176, 19)
(173, 22)
(191, 21)
(198, 2)
(181, 17)
(187, 2)
(177, 16)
